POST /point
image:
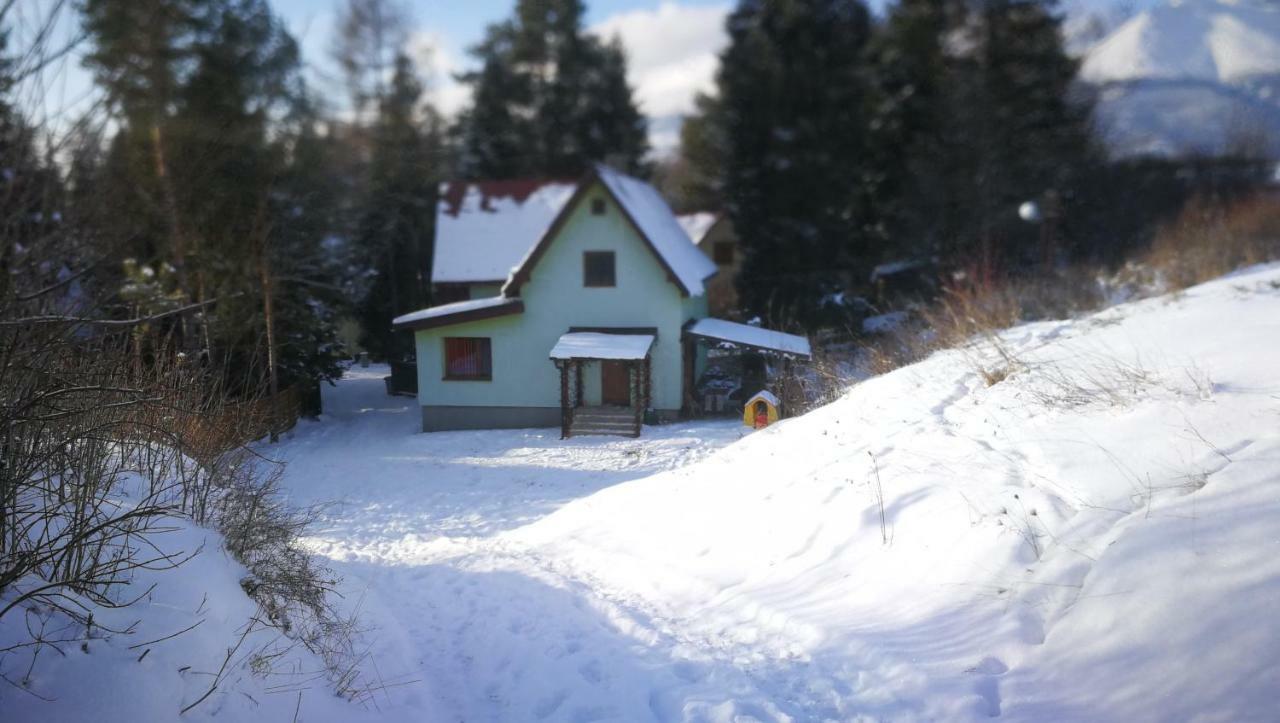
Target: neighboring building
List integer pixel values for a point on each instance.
(594, 324)
(713, 234)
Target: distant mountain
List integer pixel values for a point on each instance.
(1190, 76)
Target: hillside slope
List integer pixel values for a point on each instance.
(1093, 538)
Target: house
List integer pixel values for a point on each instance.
(713, 233)
(583, 306)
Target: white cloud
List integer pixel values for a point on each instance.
(671, 52)
(438, 63)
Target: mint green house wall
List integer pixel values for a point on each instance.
(525, 387)
(483, 291)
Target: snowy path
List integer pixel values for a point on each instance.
(1059, 545)
(482, 624)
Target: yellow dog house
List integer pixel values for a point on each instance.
(760, 410)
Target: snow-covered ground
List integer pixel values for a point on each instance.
(1095, 537)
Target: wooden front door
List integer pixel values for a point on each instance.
(615, 383)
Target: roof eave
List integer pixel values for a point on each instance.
(513, 306)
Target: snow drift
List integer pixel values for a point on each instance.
(1092, 538)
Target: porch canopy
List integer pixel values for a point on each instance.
(631, 350)
(753, 337)
(590, 345)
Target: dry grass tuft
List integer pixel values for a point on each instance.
(1208, 240)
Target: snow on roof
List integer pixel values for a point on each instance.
(696, 225)
(656, 221)
(764, 394)
(484, 228)
(752, 336)
(458, 307)
(594, 345)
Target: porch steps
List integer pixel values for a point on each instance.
(618, 421)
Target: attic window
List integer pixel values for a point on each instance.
(597, 207)
(598, 269)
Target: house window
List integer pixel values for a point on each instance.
(722, 252)
(468, 358)
(597, 206)
(598, 269)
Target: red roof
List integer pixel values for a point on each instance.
(516, 189)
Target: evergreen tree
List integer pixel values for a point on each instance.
(695, 180)
(549, 99)
(796, 106)
(978, 116)
(220, 182)
(909, 130)
(368, 36)
(397, 222)
(140, 55)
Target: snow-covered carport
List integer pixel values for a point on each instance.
(722, 334)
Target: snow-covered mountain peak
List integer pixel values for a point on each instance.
(1219, 41)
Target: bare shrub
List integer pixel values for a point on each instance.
(108, 437)
(1209, 239)
(1099, 381)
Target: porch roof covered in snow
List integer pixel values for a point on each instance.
(590, 345)
(457, 313)
(753, 337)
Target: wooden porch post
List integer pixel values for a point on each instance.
(577, 384)
(648, 384)
(566, 412)
(637, 399)
(785, 388)
(689, 360)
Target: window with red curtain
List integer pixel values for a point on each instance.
(467, 357)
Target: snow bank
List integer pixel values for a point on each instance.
(150, 673)
(1091, 539)
(1088, 540)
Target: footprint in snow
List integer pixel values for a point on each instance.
(592, 672)
(551, 704)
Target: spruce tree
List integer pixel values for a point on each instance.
(548, 98)
(909, 130)
(979, 115)
(695, 179)
(796, 106)
(397, 221)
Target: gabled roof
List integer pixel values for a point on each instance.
(652, 220)
(484, 228)
(697, 225)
